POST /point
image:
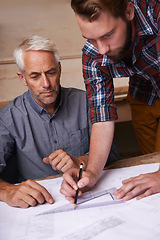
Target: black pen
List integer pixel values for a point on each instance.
(76, 197)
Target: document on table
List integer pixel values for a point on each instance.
(130, 220)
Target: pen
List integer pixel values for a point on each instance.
(76, 197)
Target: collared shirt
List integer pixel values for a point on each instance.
(28, 133)
(99, 70)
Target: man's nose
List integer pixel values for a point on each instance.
(45, 81)
(103, 47)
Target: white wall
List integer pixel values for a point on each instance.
(49, 18)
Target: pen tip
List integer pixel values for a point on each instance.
(75, 205)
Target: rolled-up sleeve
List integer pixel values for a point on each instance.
(100, 91)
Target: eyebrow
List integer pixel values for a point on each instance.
(34, 73)
(52, 69)
(110, 32)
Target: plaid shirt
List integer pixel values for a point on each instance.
(144, 85)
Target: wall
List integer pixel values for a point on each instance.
(53, 19)
(49, 18)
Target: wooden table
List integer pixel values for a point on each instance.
(143, 159)
(127, 162)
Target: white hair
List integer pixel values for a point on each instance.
(34, 43)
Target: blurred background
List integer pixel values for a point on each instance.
(55, 19)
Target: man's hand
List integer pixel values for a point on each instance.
(62, 161)
(70, 185)
(25, 194)
(141, 186)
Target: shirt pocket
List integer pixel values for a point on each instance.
(79, 142)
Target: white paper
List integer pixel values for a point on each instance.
(130, 220)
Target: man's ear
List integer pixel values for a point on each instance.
(20, 75)
(129, 11)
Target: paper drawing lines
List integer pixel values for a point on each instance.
(89, 199)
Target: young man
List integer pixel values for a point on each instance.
(123, 41)
(45, 131)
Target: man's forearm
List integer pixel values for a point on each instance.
(100, 144)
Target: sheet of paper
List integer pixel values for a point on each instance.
(136, 219)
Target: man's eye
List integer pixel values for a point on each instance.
(51, 73)
(109, 34)
(34, 76)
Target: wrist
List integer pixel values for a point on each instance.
(4, 190)
(93, 171)
(82, 159)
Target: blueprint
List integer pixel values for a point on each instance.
(136, 219)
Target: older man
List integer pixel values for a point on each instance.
(43, 132)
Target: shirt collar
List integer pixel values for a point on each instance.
(90, 49)
(142, 26)
(40, 110)
(33, 103)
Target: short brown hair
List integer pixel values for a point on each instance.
(91, 9)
